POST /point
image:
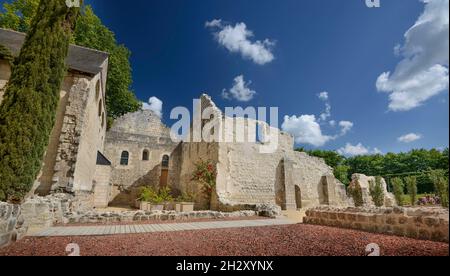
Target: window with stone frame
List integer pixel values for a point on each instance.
(124, 158)
(145, 155)
(165, 161)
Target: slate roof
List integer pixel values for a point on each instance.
(80, 58)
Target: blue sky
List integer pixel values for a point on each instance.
(338, 46)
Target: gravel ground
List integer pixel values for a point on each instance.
(293, 240)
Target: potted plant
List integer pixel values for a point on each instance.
(150, 200)
(146, 194)
(166, 198)
(185, 202)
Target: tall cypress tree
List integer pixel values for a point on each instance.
(28, 110)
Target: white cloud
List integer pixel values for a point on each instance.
(346, 126)
(324, 96)
(409, 138)
(423, 72)
(154, 104)
(236, 39)
(306, 130)
(327, 113)
(214, 23)
(240, 90)
(356, 150)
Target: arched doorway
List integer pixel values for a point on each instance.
(164, 171)
(298, 197)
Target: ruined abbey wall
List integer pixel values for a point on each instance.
(69, 164)
(137, 133)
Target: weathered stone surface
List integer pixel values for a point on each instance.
(104, 217)
(364, 182)
(417, 223)
(268, 210)
(12, 227)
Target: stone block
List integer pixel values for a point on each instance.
(5, 239)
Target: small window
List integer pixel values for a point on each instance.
(145, 155)
(165, 161)
(100, 108)
(97, 90)
(124, 158)
(103, 119)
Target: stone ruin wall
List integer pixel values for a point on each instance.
(79, 131)
(364, 182)
(134, 133)
(247, 177)
(80, 135)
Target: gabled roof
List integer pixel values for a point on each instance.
(80, 58)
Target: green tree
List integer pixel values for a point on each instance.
(440, 182)
(18, 14)
(27, 113)
(399, 190)
(411, 186)
(91, 33)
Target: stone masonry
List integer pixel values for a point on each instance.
(417, 223)
(79, 132)
(12, 226)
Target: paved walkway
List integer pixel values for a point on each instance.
(107, 230)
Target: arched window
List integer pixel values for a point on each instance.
(165, 161)
(124, 158)
(145, 155)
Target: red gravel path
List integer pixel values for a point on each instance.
(293, 240)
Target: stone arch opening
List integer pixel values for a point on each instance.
(280, 186)
(298, 197)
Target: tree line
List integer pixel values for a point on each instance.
(416, 162)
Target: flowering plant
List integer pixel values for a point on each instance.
(205, 173)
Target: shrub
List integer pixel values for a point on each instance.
(355, 191)
(376, 192)
(28, 110)
(165, 194)
(399, 189)
(155, 196)
(441, 186)
(205, 173)
(411, 186)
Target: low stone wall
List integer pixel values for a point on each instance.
(12, 226)
(132, 216)
(417, 223)
(41, 212)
